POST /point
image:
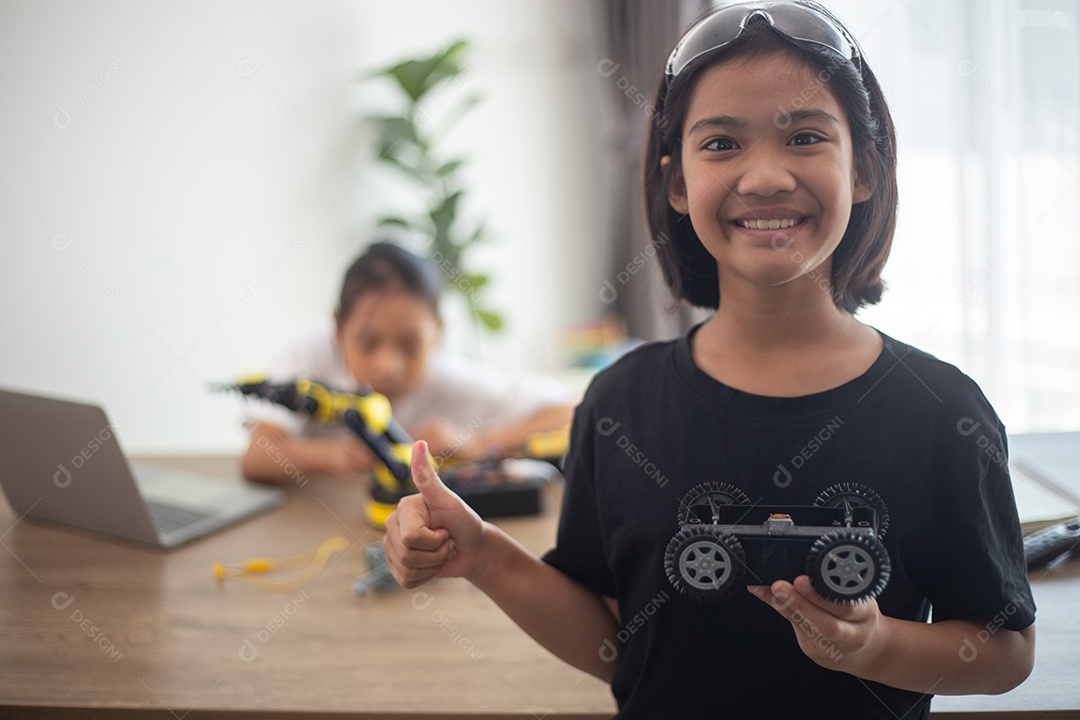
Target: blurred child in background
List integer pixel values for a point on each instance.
(386, 337)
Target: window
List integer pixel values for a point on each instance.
(985, 268)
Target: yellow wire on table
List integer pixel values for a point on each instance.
(312, 562)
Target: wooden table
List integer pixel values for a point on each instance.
(92, 628)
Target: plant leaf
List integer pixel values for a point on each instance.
(449, 167)
(417, 77)
(490, 319)
(392, 130)
(418, 174)
(447, 64)
(442, 217)
(477, 235)
(476, 282)
(394, 220)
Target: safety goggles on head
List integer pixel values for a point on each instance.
(803, 22)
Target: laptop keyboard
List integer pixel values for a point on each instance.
(170, 517)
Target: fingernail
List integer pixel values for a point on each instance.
(781, 596)
(758, 592)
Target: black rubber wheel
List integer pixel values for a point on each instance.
(703, 562)
(848, 495)
(847, 566)
(698, 504)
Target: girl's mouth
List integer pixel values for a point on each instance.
(773, 224)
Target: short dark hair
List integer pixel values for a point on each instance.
(386, 267)
(688, 268)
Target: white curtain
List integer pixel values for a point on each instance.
(985, 270)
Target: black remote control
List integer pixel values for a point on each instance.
(1044, 546)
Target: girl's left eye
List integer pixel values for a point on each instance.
(806, 138)
(721, 144)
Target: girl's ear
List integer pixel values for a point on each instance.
(337, 323)
(676, 189)
(862, 191)
(863, 188)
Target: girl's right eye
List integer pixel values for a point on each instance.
(719, 144)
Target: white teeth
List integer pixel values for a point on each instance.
(773, 224)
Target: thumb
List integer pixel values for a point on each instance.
(427, 481)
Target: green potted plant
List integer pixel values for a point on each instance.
(409, 141)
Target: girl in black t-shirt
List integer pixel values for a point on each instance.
(770, 179)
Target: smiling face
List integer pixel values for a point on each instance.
(387, 338)
(770, 199)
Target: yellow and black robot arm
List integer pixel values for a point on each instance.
(366, 413)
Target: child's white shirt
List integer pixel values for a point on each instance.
(472, 396)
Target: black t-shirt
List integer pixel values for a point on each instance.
(914, 429)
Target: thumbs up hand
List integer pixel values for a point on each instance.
(433, 533)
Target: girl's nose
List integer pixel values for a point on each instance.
(764, 173)
(387, 366)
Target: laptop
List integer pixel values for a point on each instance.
(60, 461)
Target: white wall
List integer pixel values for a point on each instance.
(182, 185)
